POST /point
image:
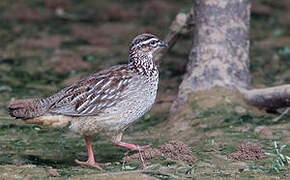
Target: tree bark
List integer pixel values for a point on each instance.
(219, 55)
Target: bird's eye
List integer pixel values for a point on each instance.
(153, 42)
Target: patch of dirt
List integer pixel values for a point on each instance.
(45, 42)
(52, 172)
(248, 152)
(55, 4)
(102, 35)
(157, 9)
(118, 29)
(212, 97)
(158, 6)
(21, 172)
(180, 124)
(115, 12)
(93, 35)
(187, 115)
(64, 63)
(20, 12)
(175, 150)
(264, 131)
(124, 175)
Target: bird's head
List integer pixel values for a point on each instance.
(146, 43)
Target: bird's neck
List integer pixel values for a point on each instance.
(143, 62)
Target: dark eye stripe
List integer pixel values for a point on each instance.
(141, 39)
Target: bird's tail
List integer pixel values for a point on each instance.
(33, 111)
(27, 108)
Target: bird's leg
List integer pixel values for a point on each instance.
(91, 160)
(117, 141)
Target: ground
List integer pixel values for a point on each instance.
(47, 45)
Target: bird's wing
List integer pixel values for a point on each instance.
(91, 95)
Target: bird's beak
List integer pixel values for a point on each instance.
(162, 43)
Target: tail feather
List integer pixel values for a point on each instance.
(25, 108)
(33, 112)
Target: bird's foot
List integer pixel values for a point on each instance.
(138, 148)
(92, 164)
(133, 147)
(141, 148)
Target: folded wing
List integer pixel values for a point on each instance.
(92, 95)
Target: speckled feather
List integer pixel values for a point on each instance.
(107, 101)
(91, 95)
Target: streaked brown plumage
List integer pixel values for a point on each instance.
(106, 102)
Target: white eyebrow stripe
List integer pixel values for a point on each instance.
(147, 41)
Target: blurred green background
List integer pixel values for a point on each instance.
(46, 45)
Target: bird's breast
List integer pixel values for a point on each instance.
(138, 99)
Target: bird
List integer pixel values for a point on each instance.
(103, 103)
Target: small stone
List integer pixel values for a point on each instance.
(52, 173)
(5, 88)
(203, 126)
(240, 109)
(264, 131)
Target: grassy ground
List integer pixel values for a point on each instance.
(41, 53)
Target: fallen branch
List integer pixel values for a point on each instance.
(269, 98)
(182, 24)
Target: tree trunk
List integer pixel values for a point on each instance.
(220, 51)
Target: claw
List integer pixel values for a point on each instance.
(92, 164)
(142, 148)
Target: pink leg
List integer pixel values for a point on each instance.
(90, 151)
(91, 160)
(132, 147)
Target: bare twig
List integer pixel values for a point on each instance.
(182, 24)
(282, 115)
(141, 158)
